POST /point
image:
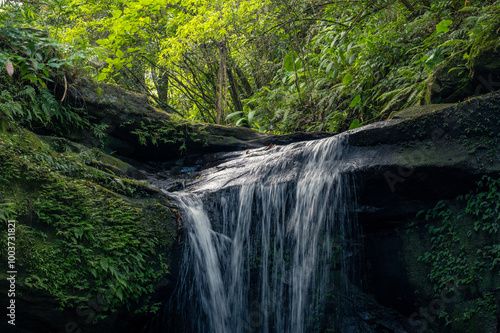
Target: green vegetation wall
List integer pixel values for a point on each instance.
(453, 260)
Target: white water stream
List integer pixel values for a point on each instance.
(259, 253)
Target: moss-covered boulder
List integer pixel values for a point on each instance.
(92, 245)
(455, 81)
(131, 126)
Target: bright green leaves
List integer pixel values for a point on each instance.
(116, 13)
(292, 62)
(355, 101)
(127, 28)
(443, 26)
(245, 119)
(197, 22)
(234, 114)
(355, 124)
(347, 80)
(436, 55)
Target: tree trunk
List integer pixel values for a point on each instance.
(222, 93)
(161, 84)
(244, 81)
(234, 90)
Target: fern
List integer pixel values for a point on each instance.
(10, 108)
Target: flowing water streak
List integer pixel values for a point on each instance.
(266, 267)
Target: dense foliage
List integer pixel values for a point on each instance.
(273, 65)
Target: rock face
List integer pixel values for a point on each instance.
(407, 165)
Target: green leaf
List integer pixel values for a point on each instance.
(104, 264)
(355, 101)
(329, 67)
(355, 124)
(290, 58)
(238, 123)
(352, 59)
(443, 26)
(231, 115)
(335, 73)
(347, 79)
(250, 116)
(119, 53)
(116, 13)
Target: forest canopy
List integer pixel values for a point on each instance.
(275, 66)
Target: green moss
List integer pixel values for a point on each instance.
(81, 229)
(416, 111)
(92, 157)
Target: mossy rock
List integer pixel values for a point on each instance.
(417, 111)
(82, 227)
(96, 157)
(137, 129)
(455, 81)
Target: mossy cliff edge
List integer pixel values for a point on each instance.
(84, 232)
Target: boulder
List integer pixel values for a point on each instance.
(455, 82)
(136, 129)
(92, 244)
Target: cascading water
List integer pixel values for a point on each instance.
(260, 252)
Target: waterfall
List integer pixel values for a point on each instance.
(261, 242)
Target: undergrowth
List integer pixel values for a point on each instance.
(32, 66)
(462, 257)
